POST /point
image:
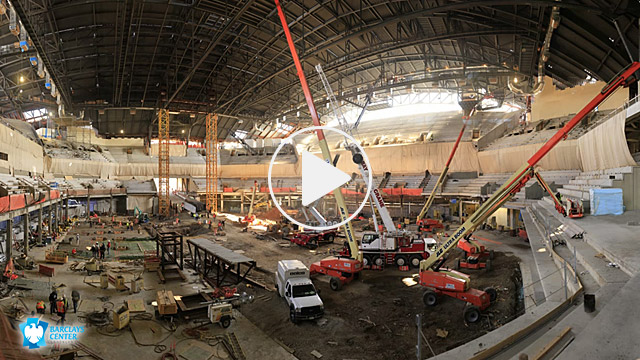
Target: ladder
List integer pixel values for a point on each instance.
(238, 353)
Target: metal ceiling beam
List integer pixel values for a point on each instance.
(212, 45)
(38, 44)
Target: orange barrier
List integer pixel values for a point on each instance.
(402, 191)
(20, 201)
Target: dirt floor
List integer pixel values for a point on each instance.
(373, 317)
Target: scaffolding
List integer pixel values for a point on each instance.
(163, 162)
(212, 162)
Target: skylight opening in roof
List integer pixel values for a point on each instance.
(35, 115)
(241, 134)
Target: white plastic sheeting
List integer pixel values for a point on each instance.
(23, 153)
(605, 147)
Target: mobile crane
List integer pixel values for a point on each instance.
(391, 245)
(443, 281)
(573, 208)
(341, 269)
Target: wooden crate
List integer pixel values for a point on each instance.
(46, 270)
(57, 257)
(166, 303)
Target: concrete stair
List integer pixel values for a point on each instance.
(578, 187)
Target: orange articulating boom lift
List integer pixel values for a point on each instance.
(574, 207)
(341, 269)
(443, 281)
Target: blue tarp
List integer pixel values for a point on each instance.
(606, 201)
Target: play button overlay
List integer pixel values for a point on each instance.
(319, 178)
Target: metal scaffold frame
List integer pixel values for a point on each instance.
(163, 162)
(212, 162)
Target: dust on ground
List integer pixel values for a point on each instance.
(373, 317)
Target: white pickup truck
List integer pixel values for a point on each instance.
(293, 283)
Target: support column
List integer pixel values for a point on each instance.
(50, 223)
(110, 205)
(88, 206)
(66, 208)
(25, 220)
(9, 239)
(40, 225)
(55, 217)
(221, 204)
(460, 212)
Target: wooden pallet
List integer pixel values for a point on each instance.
(172, 273)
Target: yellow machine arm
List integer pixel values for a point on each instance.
(468, 104)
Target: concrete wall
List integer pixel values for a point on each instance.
(630, 185)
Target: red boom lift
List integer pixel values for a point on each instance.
(443, 281)
(341, 269)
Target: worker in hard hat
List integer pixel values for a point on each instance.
(41, 307)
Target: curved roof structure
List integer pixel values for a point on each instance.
(230, 57)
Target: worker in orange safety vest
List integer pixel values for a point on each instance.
(61, 308)
(40, 307)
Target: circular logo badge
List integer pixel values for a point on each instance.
(369, 180)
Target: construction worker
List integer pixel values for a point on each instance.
(77, 239)
(75, 298)
(103, 249)
(109, 247)
(53, 297)
(61, 309)
(41, 307)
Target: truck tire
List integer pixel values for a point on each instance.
(430, 298)
(292, 315)
(415, 261)
(312, 243)
(401, 260)
(278, 290)
(377, 260)
(488, 266)
(471, 314)
(366, 260)
(225, 322)
(493, 294)
(335, 283)
(329, 238)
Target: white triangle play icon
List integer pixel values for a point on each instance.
(319, 178)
